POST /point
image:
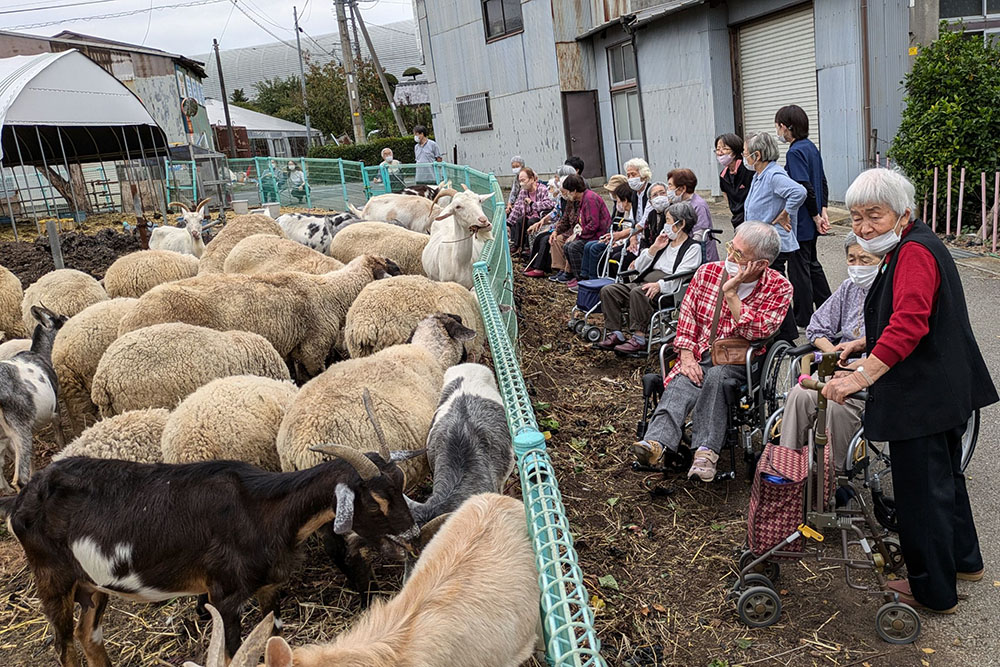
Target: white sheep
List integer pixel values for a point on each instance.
(11, 347)
(131, 436)
(78, 348)
(186, 240)
(400, 245)
(64, 292)
(230, 418)
(404, 382)
(136, 273)
(457, 238)
(412, 211)
(158, 366)
(386, 312)
(301, 315)
(236, 229)
(11, 295)
(263, 253)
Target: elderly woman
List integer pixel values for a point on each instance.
(680, 187)
(533, 203)
(924, 376)
(540, 233)
(751, 301)
(594, 220)
(834, 324)
(623, 220)
(638, 174)
(735, 177)
(673, 251)
(516, 164)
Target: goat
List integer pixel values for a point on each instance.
(224, 529)
(472, 599)
(425, 190)
(29, 396)
(249, 653)
(410, 211)
(458, 235)
(315, 231)
(186, 240)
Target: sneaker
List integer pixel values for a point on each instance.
(571, 283)
(574, 289)
(970, 576)
(534, 273)
(631, 347)
(703, 466)
(560, 277)
(647, 452)
(610, 342)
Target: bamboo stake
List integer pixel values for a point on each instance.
(934, 212)
(947, 213)
(961, 198)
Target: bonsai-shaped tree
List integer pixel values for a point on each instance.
(412, 72)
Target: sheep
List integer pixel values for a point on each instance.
(224, 529)
(158, 366)
(313, 231)
(398, 244)
(387, 311)
(29, 397)
(78, 348)
(11, 347)
(263, 253)
(63, 291)
(412, 211)
(469, 447)
(472, 599)
(11, 295)
(301, 315)
(186, 240)
(229, 418)
(131, 436)
(136, 273)
(236, 229)
(457, 238)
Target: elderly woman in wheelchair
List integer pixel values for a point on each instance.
(727, 306)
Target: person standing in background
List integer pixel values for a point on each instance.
(425, 151)
(735, 177)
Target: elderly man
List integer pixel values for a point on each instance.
(925, 376)
(741, 297)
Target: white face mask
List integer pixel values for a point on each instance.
(781, 137)
(862, 276)
(660, 203)
(882, 243)
(732, 268)
(515, 170)
(619, 207)
(673, 197)
(416, 138)
(635, 182)
(671, 232)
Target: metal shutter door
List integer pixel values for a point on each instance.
(778, 67)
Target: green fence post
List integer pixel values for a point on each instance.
(343, 182)
(305, 176)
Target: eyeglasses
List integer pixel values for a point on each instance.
(735, 252)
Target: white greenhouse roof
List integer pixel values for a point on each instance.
(253, 121)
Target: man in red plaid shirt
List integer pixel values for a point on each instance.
(755, 300)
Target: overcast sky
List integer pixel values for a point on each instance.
(189, 30)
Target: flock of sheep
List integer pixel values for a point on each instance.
(226, 400)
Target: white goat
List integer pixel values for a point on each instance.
(185, 240)
(457, 238)
(410, 211)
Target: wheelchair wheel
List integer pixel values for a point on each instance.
(776, 378)
(969, 439)
(897, 623)
(759, 607)
(592, 334)
(894, 562)
(571, 325)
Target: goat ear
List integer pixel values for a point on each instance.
(458, 331)
(343, 522)
(406, 454)
(430, 528)
(485, 197)
(278, 653)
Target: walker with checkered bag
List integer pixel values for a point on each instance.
(792, 502)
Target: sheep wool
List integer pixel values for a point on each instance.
(229, 418)
(63, 291)
(159, 366)
(13, 346)
(213, 260)
(135, 274)
(263, 253)
(77, 349)
(11, 295)
(386, 312)
(401, 245)
(130, 436)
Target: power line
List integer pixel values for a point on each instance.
(149, 22)
(195, 3)
(259, 13)
(228, 18)
(63, 6)
(258, 23)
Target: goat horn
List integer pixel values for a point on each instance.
(465, 187)
(366, 469)
(443, 192)
(428, 530)
(202, 203)
(178, 205)
(252, 648)
(366, 398)
(216, 646)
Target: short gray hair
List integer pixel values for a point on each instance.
(518, 159)
(765, 144)
(641, 166)
(882, 186)
(684, 213)
(850, 240)
(762, 238)
(565, 170)
(658, 184)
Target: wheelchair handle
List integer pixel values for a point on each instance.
(817, 385)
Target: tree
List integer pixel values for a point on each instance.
(239, 97)
(412, 72)
(952, 116)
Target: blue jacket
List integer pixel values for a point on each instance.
(772, 192)
(804, 165)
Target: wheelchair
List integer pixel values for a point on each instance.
(750, 400)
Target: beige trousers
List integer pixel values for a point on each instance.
(800, 416)
(556, 244)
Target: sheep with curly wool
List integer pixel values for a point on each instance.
(131, 436)
(11, 347)
(136, 273)
(237, 228)
(11, 295)
(63, 291)
(263, 253)
(401, 245)
(78, 348)
(233, 418)
(386, 312)
(404, 383)
(159, 366)
(301, 315)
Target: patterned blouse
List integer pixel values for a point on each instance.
(841, 317)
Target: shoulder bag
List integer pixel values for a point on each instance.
(726, 351)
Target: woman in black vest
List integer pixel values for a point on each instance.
(925, 376)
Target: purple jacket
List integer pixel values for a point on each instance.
(532, 205)
(595, 219)
(704, 224)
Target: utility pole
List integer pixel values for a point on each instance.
(225, 101)
(352, 79)
(378, 67)
(354, 29)
(302, 78)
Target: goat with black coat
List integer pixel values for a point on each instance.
(149, 532)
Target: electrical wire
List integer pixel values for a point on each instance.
(149, 22)
(259, 13)
(62, 6)
(259, 24)
(228, 18)
(97, 17)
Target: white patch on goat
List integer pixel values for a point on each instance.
(39, 385)
(477, 381)
(101, 570)
(97, 636)
(278, 623)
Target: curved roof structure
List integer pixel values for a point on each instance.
(253, 121)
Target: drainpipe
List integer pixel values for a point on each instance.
(866, 103)
(627, 26)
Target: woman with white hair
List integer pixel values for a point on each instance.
(925, 376)
(639, 175)
(516, 165)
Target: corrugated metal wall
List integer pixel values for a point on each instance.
(888, 46)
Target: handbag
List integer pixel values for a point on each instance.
(726, 351)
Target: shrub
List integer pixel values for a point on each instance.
(370, 153)
(951, 117)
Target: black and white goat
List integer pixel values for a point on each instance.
(315, 231)
(149, 532)
(469, 446)
(29, 397)
(425, 190)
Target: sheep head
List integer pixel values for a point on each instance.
(444, 335)
(380, 267)
(467, 211)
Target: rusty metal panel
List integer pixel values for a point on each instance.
(571, 18)
(569, 60)
(18, 45)
(121, 66)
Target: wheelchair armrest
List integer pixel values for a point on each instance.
(652, 384)
(712, 233)
(800, 350)
(628, 274)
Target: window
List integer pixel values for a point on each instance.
(502, 18)
(621, 60)
(474, 112)
(958, 8)
(625, 101)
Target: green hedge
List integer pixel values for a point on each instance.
(369, 153)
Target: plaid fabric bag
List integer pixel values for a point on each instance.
(776, 509)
